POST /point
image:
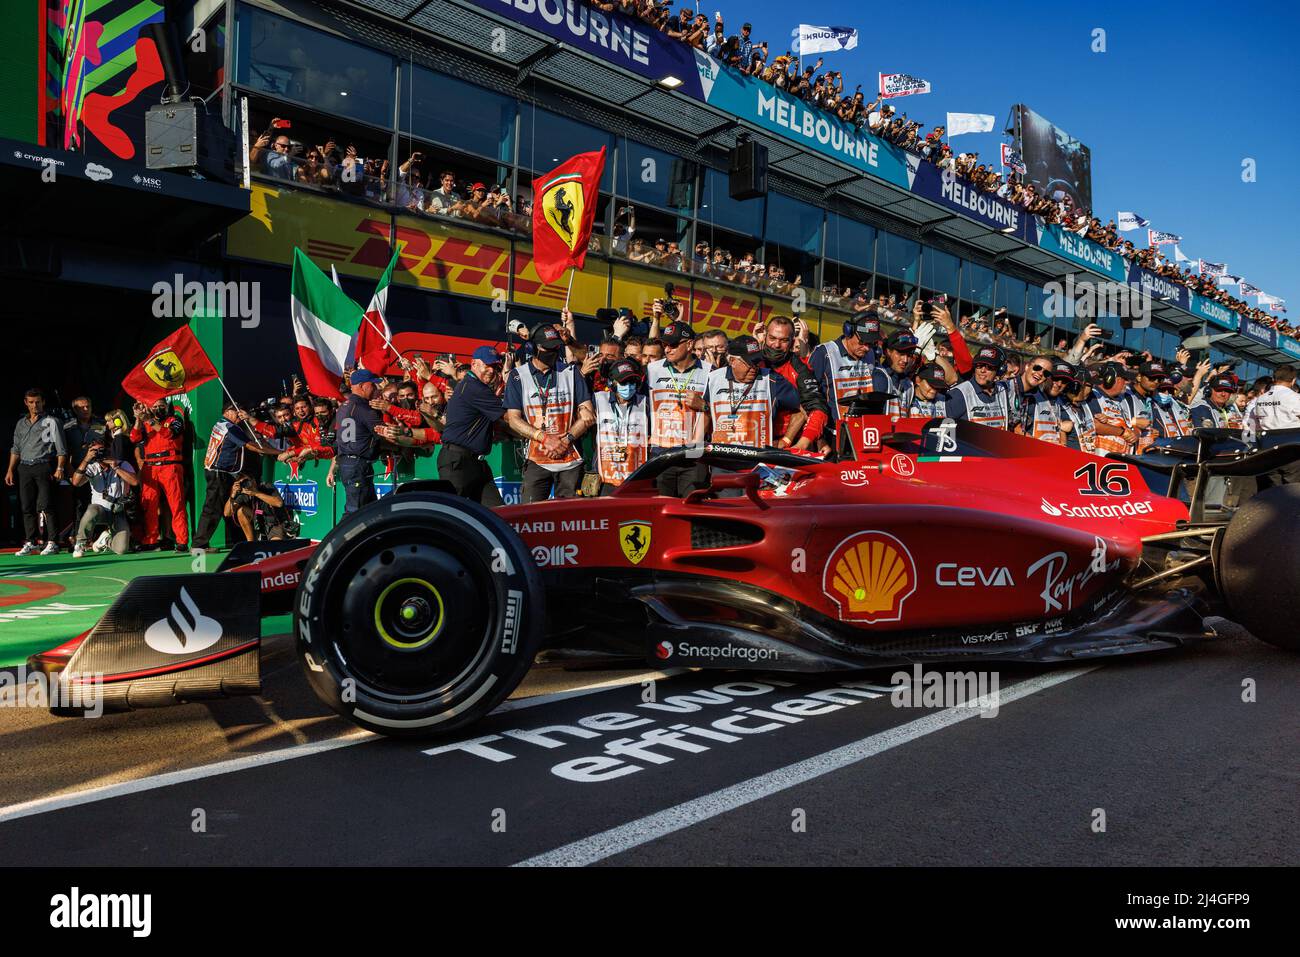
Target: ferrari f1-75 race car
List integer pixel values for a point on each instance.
(924, 541)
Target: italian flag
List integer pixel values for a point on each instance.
(374, 349)
(325, 323)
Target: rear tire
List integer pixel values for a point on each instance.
(418, 614)
(1258, 566)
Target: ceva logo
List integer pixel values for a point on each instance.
(664, 650)
(179, 635)
(1050, 509)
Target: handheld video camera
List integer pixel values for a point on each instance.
(671, 307)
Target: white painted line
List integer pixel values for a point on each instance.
(167, 779)
(597, 847)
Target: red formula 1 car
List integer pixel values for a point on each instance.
(928, 540)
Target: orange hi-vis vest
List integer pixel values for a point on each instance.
(622, 436)
(848, 376)
(672, 423)
(551, 410)
(741, 414)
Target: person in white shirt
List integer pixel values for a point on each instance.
(1278, 408)
(110, 481)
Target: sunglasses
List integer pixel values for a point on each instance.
(1042, 369)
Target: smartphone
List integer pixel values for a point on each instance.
(278, 124)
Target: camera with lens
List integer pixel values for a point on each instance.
(670, 305)
(240, 492)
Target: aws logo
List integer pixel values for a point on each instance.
(869, 576)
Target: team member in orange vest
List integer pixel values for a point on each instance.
(1112, 412)
(843, 366)
(548, 403)
(622, 425)
(678, 418)
(744, 399)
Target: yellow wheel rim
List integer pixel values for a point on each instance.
(426, 638)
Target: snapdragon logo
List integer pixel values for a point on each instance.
(1091, 299)
(725, 652)
(75, 909)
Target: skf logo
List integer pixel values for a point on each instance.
(664, 650)
(544, 555)
(634, 539)
(181, 635)
(868, 576)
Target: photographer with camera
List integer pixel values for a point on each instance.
(110, 481)
(248, 499)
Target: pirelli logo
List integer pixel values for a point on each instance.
(510, 627)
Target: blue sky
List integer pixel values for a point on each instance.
(1183, 94)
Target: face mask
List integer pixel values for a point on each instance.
(776, 357)
(547, 356)
(626, 390)
(1164, 398)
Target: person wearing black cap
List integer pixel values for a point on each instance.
(1143, 401)
(744, 399)
(622, 425)
(929, 392)
(357, 445)
(843, 366)
(1112, 410)
(1083, 436)
(1211, 410)
(548, 404)
(472, 411)
(676, 385)
(979, 398)
(1044, 412)
(895, 375)
(1171, 418)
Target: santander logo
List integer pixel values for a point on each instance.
(1050, 509)
(181, 635)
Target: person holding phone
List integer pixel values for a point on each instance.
(276, 160)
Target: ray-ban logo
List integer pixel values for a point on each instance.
(181, 633)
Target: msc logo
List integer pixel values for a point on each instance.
(949, 575)
(181, 635)
(869, 575)
(634, 539)
(664, 650)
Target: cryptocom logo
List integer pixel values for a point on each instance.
(664, 650)
(869, 575)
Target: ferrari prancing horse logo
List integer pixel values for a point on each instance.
(563, 204)
(634, 539)
(166, 370)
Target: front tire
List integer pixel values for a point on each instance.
(418, 614)
(1258, 566)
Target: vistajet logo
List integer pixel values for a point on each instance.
(75, 909)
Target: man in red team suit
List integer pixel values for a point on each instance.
(161, 434)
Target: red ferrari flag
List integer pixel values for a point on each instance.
(177, 364)
(564, 206)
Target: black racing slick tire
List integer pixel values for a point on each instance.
(418, 614)
(1258, 567)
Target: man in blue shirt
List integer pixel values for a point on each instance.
(224, 463)
(472, 411)
(357, 444)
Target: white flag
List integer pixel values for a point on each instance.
(1227, 280)
(1247, 289)
(1212, 269)
(1126, 221)
(901, 84)
(1157, 238)
(1179, 257)
(824, 39)
(959, 123)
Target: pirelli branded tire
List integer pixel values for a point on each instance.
(1258, 566)
(418, 614)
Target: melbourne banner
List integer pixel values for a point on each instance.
(1289, 346)
(930, 182)
(789, 117)
(611, 37)
(1159, 288)
(1259, 332)
(1082, 251)
(1215, 312)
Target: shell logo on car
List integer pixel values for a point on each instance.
(868, 576)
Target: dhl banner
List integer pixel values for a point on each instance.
(435, 254)
(445, 256)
